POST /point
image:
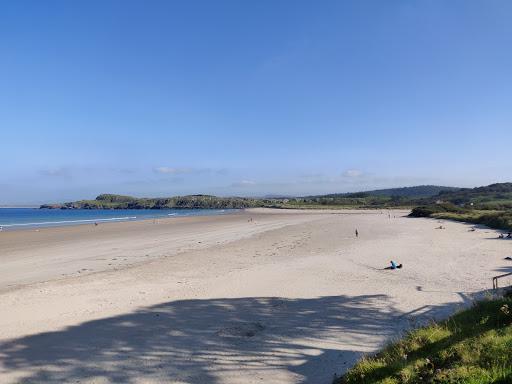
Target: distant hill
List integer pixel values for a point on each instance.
(494, 196)
(393, 197)
(420, 191)
(404, 197)
(417, 191)
(111, 201)
(490, 205)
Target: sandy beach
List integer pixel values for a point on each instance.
(258, 296)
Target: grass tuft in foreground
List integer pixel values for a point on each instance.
(471, 347)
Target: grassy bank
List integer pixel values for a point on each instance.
(498, 219)
(471, 347)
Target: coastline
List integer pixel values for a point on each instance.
(73, 217)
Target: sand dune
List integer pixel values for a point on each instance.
(289, 297)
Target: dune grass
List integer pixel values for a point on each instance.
(497, 219)
(492, 219)
(471, 347)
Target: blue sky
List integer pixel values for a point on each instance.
(153, 98)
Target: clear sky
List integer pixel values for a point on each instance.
(153, 98)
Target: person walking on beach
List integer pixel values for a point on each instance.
(357, 233)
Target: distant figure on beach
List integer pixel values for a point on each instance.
(95, 224)
(509, 235)
(357, 233)
(440, 227)
(500, 236)
(394, 265)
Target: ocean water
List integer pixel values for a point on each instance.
(18, 218)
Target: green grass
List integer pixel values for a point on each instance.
(497, 219)
(471, 347)
(492, 219)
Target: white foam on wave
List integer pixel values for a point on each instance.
(68, 222)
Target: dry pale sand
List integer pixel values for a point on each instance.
(290, 297)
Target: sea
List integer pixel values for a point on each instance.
(19, 218)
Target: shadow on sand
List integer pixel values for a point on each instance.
(197, 341)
